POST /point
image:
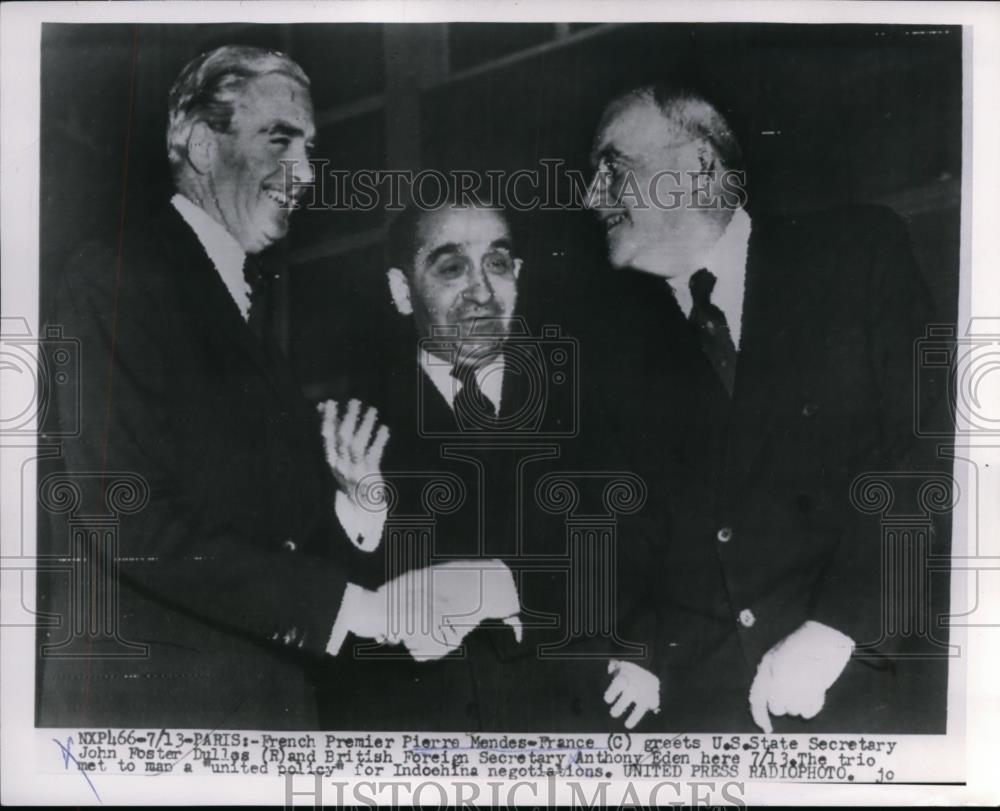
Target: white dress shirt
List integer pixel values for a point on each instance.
(728, 263)
(222, 248)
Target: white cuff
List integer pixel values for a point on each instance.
(363, 527)
(349, 606)
(828, 636)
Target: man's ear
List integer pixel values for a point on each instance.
(399, 290)
(518, 264)
(201, 147)
(706, 157)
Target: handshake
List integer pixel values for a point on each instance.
(431, 610)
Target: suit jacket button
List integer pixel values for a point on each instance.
(576, 706)
(747, 619)
(289, 545)
(809, 409)
(724, 535)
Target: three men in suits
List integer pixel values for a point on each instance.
(770, 365)
(795, 338)
(222, 571)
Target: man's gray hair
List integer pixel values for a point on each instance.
(689, 111)
(207, 87)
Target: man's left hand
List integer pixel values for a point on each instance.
(632, 686)
(793, 677)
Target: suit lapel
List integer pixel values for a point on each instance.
(438, 415)
(211, 300)
(770, 352)
(514, 393)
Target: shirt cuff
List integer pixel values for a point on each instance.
(828, 648)
(828, 636)
(363, 526)
(349, 607)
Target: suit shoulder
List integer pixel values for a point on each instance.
(849, 234)
(143, 256)
(865, 222)
(102, 279)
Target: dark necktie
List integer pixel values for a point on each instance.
(258, 279)
(710, 323)
(473, 409)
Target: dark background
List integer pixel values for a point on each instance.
(828, 115)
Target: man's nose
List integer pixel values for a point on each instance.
(596, 191)
(478, 290)
(302, 168)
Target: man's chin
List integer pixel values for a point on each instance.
(478, 352)
(620, 254)
(619, 259)
(272, 235)
(484, 327)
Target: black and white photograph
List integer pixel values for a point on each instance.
(441, 399)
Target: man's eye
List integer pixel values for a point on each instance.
(280, 140)
(500, 264)
(451, 269)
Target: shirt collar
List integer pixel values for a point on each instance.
(488, 375)
(223, 250)
(730, 251)
(727, 260)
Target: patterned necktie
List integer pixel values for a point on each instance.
(259, 280)
(710, 323)
(473, 409)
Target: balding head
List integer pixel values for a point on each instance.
(668, 174)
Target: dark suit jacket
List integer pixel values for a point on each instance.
(460, 495)
(226, 569)
(824, 392)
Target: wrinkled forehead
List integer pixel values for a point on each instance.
(635, 127)
(468, 230)
(277, 96)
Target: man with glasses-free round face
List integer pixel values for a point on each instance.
(462, 275)
(453, 274)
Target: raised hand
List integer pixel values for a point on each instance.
(353, 449)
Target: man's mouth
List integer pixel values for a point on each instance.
(613, 222)
(282, 200)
